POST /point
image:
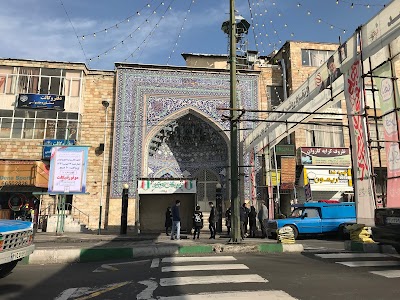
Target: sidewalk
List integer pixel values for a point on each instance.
(84, 247)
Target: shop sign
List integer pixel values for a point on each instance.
(273, 177)
(50, 143)
(284, 150)
(23, 173)
(147, 186)
(41, 101)
(68, 166)
(322, 156)
(328, 177)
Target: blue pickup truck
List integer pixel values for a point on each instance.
(316, 218)
(16, 242)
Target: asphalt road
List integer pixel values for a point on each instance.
(251, 276)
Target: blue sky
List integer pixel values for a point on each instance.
(163, 29)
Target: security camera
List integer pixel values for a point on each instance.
(105, 103)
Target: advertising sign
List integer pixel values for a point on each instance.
(328, 179)
(68, 167)
(47, 149)
(147, 186)
(363, 188)
(323, 156)
(24, 173)
(41, 101)
(389, 99)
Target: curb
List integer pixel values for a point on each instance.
(368, 247)
(59, 256)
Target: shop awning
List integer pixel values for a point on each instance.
(24, 173)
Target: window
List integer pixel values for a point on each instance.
(275, 95)
(369, 98)
(315, 58)
(29, 124)
(24, 80)
(311, 213)
(324, 136)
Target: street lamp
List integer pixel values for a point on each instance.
(105, 104)
(124, 209)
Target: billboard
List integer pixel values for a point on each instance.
(68, 167)
(324, 156)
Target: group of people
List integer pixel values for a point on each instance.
(248, 223)
(248, 220)
(173, 221)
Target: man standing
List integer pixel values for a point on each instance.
(212, 220)
(263, 218)
(176, 221)
(246, 218)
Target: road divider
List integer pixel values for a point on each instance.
(60, 255)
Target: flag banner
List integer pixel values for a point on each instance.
(389, 100)
(363, 188)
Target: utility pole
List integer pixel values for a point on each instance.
(235, 205)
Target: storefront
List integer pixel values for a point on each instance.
(156, 195)
(326, 174)
(19, 181)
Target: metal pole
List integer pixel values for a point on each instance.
(278, 196)
(103, 172)
(235, 233)
(124, 209)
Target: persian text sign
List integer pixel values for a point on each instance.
(362, 166)
(147, 186)
(389, 100)
(325, 156)
(68, 170)
(41, 101)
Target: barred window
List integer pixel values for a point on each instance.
(315, 58)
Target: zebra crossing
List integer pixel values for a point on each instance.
(196, 271)
(386, 265)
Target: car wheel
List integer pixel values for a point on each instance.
(6, 269)
(295, 231)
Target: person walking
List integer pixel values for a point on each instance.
(176, 221)
(252, 221)
(228, 219)
(197, 222)
(212, 219)
(168, 220)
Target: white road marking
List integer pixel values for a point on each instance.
(66, 294)
(387, 273)
(205, 267)
(242, 295)
(197, 259)
(174, 281)
(147, 294)
(155, 263)
(109, 267)
(369, 263)
(351, 255)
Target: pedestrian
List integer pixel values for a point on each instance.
(252, 221)
(246, 220)
(168, 220)
(263, 219)
(197, 222)
(228, 219)
(243, 217)
(212, 220)
(176, 221)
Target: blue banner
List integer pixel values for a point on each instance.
(41, 101)
(47, 150)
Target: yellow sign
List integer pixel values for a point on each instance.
(273, 177)
(32, 173)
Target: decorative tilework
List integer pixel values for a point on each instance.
(146, 97)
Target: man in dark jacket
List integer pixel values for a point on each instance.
(212, 219)
(176, 221)
(197, 222)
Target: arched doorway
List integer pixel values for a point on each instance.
(206, 188)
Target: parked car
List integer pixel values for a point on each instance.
(387, 227)
(16, 242)
(317, 218)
